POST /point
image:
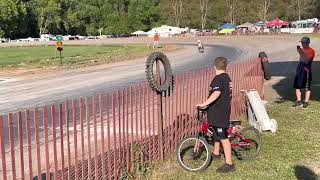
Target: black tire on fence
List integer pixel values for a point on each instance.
(173, 83)
(168, 84)
(171, 88)
(265, 65)
(266, 70)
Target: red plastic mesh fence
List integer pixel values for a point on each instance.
(111, 135)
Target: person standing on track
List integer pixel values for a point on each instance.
(219, 110)
(303, 76)
(156, 39)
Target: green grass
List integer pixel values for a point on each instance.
(38, 56)
(294, 149)
(314, 35)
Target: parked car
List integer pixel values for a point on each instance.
(4, 40)
(81, 37)
(91, 37)
(15, 41)
(112, 36)
(124, 35)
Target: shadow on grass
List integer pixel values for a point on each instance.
(304, 173)
(285, 86)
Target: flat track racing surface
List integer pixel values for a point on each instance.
(37, 90)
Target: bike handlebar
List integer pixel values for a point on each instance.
(200, 113)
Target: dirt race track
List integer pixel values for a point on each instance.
(18, 92)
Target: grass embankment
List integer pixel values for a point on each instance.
(312, 35)
(46, 56)
(294, 151)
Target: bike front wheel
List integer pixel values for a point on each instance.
(194, 154)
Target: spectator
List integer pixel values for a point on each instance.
(156, 39)
(317, 28)
(303, 76)
(219, 109)
(262, 30)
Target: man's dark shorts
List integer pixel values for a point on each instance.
(303, 81)
(220, 133)
(303, 77)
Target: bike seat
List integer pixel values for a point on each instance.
(234, 122)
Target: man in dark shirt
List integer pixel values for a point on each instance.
(219, 110)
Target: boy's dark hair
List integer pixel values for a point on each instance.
(221, 63)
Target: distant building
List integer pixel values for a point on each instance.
(47, 37)
(70, 38)
(303, 26)
(29, 39)
(309, 23)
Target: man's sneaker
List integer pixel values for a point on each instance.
(297, 104)
(305, 105)
(226, 168)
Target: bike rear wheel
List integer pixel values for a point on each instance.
(202, 49)
(194, 154)
(249, 143)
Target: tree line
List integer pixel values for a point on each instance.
(30, 18)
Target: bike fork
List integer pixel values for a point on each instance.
(196, 146)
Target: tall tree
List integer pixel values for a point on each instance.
(316, 12)
(303, 7)
(177, 7)
(29, 18)
(71, 23)
(231, 6)
(143, 14)
(265, 9)
(1, 33)
(117, 18)
(48, 15)
(93, 14)
(204, 7)
(27, 21)
(8, 16)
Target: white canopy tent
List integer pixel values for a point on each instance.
(245, 25)
(139, 33)
(166, 31)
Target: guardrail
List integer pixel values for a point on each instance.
(111, 135)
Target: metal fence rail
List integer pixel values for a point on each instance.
(111, 135)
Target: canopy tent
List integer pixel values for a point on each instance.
(245, 25)
(261, 23)
(277, 22)
(139, 33)
(227, 26)
(225, 31)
